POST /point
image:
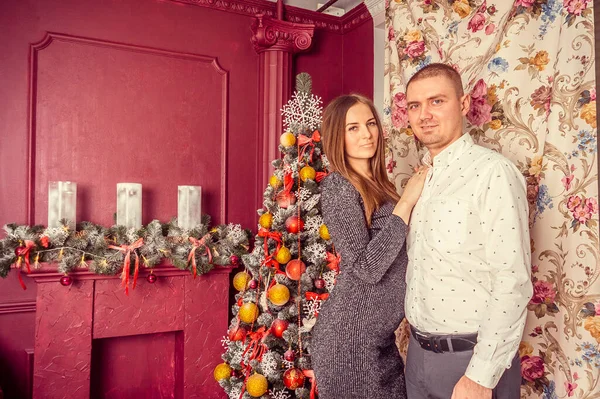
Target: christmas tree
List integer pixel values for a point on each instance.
(290, 272)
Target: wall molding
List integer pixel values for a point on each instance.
(377, 10)
(331, 23)
(17, 307)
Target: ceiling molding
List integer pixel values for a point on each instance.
(377, 10)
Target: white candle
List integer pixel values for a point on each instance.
(189, 207)
(129, 204)
(62, 203)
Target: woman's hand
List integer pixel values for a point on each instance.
(411, 194)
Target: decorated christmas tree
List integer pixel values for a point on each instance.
(290, 272)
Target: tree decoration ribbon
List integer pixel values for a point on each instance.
(270, 262)
(320, 176)
(24, 254)
(333, 261)
(310, 374)
(309, 295)
(256, 347)
(308, 142)
(127, 262)
(197, 243)
(266, 234)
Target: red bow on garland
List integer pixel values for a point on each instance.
(195, 245)
(24, 253)
(127, 263)
(306, 142)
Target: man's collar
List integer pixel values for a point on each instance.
(450, 153)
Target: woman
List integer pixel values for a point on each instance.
(353, 344)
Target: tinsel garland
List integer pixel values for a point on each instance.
(115, 249)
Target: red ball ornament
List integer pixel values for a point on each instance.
(294, 224)
(293, 378)
(19, 250)
(237, 334)
(320, 283)
(278, 327)
(151, 278)
(285, 199)
(253, 284)
(294, 269)
(240, 302)
(289, 355)
(66, 281)
(234, 260)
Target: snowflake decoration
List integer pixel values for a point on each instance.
(304, 194)
(311, 202)
(303, 111)
(225, 341)
(312, 307)
(269, 364)
(313, 222)
(325, 161)
(329, 278)
(236, 234)
(279, 394)
(316, 253)
(235, 392)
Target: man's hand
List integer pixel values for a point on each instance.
(466, 388)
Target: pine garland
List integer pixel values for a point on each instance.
(97, 247)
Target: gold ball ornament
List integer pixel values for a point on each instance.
(279, 294)
(265, 220)
(307, 172)
(287, 139)
(222, 371)
(275, 182)
(283, 255)
(324, 232)
(248, 312)
(241, 280)
(257, 385)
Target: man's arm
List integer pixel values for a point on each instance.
(504, 215)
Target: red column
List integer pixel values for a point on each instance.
(276, 41)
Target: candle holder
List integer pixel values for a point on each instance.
(129, 205)
(62, 203)
(189, 207)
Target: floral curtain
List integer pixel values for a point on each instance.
(529, 68)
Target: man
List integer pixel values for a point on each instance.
(468, 278)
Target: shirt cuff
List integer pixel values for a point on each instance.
(484, 372)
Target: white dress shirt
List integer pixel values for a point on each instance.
(469, 255)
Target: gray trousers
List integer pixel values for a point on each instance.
(432, 375)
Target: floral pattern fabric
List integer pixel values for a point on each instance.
(528, 66)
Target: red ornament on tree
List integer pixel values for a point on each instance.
(294, 224)
(293, 378)
(278, 327)
(151, 278)
(289, 355)
(294, 269)
(234, 260)
(237, 334)
(66, 280)
(253, 284)
(320, 283)
(19, 250)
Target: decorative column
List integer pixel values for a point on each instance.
(276, 41)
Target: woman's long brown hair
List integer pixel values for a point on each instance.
(374, 192)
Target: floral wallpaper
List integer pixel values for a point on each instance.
(529, 68)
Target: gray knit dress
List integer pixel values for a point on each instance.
(353, 344)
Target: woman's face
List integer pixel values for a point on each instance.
(361, 134)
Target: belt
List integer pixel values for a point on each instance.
(444, 343)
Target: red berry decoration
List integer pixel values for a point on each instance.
(278, 327)
(237, 334)
(151, 278)
(19, 250)
(294, 224)
(234, 260)
(66, 281)
(289, 355)
(253, 284)
(320, 283)
(293, 378)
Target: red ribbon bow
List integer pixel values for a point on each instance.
(270, 262)
(313, 383)
(266, 234)
(333, 261)
(127, 263)
(309, 295)
(25, 254)
(306, 142)
(257, 347)
(195, 245)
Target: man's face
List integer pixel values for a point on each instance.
(436, 111)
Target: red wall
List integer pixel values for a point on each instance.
(127, 90)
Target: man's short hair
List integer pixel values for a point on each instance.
(439, 69)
